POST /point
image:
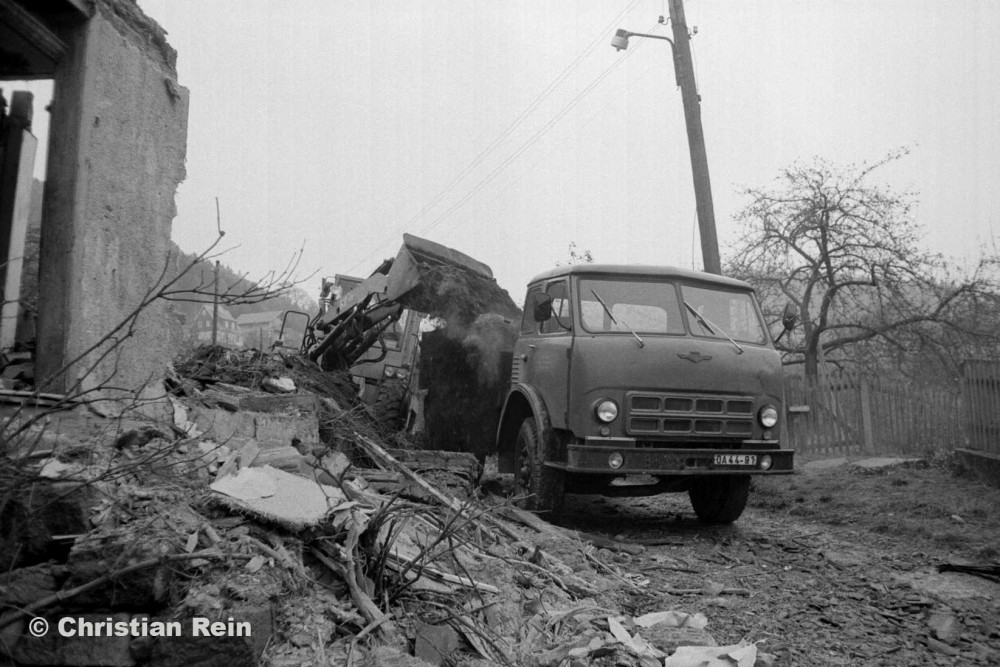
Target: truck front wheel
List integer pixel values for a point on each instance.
(543, 485)
(719, 499)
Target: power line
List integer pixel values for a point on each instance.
(517, 122)
(531, 141)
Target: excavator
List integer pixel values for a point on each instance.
(350, 324)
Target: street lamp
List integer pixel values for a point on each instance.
(680, 47)
(620, 42)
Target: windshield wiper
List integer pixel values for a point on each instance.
(623, 322)
(708, 324)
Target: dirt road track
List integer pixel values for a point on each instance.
(827, 590)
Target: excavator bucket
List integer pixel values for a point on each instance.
(425, 277)
(417, 256)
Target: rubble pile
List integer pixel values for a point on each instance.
(286, 521)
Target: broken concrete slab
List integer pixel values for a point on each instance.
(277, 496)
(269, 430)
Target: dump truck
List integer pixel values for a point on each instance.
(630, 374)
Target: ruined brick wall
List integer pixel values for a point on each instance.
(117, 148)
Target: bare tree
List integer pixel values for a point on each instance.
(845, 250)
(577, 256)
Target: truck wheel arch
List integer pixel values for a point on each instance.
(522, 401)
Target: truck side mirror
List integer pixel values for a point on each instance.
(790, 317)
(541, 307)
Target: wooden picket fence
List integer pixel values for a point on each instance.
(981, 388)
(853, 416)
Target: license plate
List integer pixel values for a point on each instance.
(735, 459)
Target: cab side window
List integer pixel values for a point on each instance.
(562, 318)
(528, 323)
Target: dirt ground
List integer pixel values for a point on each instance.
(828, 567)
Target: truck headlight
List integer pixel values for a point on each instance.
(768, 416)
(606, 411)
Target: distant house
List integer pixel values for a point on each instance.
(260, 330)
(228, 333)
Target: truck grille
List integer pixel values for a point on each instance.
(684, 414)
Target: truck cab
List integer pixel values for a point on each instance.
(623, 371)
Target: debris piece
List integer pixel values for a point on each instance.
(636, 644)
(275, 495)
(944, 625)
(282, 385)
(941, 647)
(384, 458)
(738, 655)
(667, 639)
(674, 619)
(55, 469)
(434, 643)
(246, 485)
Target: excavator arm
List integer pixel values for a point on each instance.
(351, 324)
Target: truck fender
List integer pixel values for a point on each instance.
(522, 401)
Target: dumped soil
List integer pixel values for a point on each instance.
(458, 296)
(466, 381)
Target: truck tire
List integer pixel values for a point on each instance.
(720, 499)
(545, 485)
(389, 408)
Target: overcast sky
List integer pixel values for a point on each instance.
(509, 129)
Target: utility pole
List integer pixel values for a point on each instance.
(684, 69)
(215, 306)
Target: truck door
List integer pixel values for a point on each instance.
(543, 355)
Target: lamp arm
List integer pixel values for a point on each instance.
(642, 34)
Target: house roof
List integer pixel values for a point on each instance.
(224, 313)
(266, 317)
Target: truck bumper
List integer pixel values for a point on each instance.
(594, 458)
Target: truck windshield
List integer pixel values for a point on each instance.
(732, 312)
(642, 306)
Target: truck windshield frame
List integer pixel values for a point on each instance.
(652, 305)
